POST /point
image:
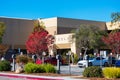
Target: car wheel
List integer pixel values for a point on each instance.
(106, 64)
(80, 66)
(90, 64)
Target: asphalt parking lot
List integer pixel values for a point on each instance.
(72, 69)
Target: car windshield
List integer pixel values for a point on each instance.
(91, 58)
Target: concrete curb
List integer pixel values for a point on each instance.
(29, 77)
(34, 77)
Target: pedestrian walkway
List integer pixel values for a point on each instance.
(9, 76)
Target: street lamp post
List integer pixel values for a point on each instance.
(87, 60)
(95, 54)
(13, 64)
(101, 60)
(69, 54)
(58, 63)
(110, 59)
(43, 55)
(34, 57)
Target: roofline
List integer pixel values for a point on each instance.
(16, 18)
(50, 18)
(81, 19)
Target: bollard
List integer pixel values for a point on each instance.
(13, 64)
(58, 63)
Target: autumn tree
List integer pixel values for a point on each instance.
(113, 41)
(39, 40)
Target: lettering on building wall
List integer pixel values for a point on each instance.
(63, 39)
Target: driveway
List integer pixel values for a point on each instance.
(72, 69)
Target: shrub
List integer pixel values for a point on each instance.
(41, 68)
(64, 59)
(76, 58)
(23, 58)
(5, 66)
(111, 72)
(35, 68)
(30, 68)
(49, 68)
(92, 71)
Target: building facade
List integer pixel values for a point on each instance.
(18, 30)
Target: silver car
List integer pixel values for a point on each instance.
(97, 61)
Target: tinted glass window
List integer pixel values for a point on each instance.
(98, 58)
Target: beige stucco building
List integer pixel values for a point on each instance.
(18, 30)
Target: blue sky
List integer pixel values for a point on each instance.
(99, 10)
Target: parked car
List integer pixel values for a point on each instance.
(93, 62)
(53, 61)
(117, 63)
(111, 61)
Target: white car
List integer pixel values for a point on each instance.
(93, 62)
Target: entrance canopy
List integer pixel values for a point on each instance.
(62, 46)
(65, 41)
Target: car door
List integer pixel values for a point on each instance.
(96, 61)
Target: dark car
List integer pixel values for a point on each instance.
(111, 61)
(117, 63)
(53, 61)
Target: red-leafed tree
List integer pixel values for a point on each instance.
(39, 40)
(113, 41)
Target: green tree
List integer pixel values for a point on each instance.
(3, 48)
(115, 21)
(2, 30)
(116, 18)
(89, 37)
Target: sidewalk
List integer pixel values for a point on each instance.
(73, 65)
(12, 76)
